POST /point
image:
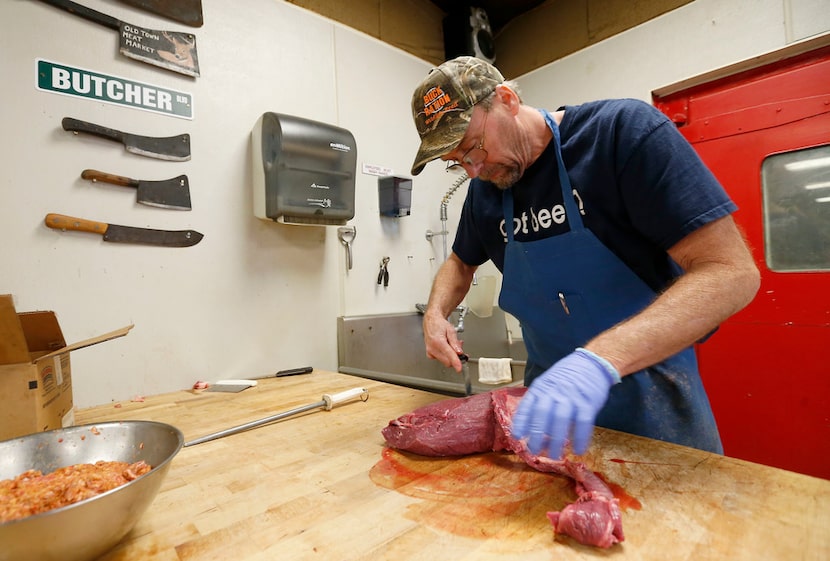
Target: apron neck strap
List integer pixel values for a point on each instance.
(507, 209)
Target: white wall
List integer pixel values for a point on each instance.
(255, 297)
(701, 36)
(375, 84)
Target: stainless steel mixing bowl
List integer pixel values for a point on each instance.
(87, 529)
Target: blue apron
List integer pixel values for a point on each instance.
(568, 288)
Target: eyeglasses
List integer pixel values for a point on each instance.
(474, 156)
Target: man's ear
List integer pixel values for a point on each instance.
(508, 97)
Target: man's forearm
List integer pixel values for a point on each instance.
(719, 281)
(450, 286)
(685, 313)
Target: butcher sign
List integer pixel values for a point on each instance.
(79, 82)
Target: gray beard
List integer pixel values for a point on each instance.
(508, 180)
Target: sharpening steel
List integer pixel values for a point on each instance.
(328, 401)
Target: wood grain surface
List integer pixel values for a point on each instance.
(323, 486)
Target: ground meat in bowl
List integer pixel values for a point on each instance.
(32, 492)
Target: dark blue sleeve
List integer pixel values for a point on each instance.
(665, 188)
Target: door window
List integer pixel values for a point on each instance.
(796, 193)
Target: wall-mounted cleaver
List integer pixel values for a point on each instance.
(173, 50)
(184, 11)
(124, 234)
(173, 148)
(168, 193)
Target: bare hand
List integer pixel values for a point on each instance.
(441, 341)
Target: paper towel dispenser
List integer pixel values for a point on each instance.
(304, 171)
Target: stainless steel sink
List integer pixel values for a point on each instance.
(390, 347)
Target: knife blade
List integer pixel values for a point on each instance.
(172, 148)
(124, 234)
(465, 370)
(168, 193)
(171, 50)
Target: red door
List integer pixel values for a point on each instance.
(765, 133)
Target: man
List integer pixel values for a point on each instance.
(618, 255)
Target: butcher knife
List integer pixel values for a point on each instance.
(124, 234)
(236, 386)
(173, 148)
(172, 50)
(188, 12)
(168, 193)
(231, 386)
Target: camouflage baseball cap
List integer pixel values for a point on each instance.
(442, 104)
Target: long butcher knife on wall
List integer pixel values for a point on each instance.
(124, 234)
(173, 50)
(188, 12)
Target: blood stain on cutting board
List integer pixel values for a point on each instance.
(626, 500)
(483, 495)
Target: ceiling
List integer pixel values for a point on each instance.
(499, 12)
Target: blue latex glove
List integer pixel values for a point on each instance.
(564, 400)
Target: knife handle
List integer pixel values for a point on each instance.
(294, 371)
(76, 125)
(63, 222)
(86, 13)
(95, 175)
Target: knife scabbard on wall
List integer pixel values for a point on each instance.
(304, 171)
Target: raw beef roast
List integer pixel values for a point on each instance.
(453, 427)
(481, 423)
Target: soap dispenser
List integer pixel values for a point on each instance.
(394, 196)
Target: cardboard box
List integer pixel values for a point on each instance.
(35, 372)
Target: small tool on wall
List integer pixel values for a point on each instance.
(346, 235)
(383, 274)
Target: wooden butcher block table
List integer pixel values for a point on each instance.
(323, 486)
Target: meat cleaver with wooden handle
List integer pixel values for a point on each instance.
(172, 148)
(168, 193)
(124, 234)
(172, 50)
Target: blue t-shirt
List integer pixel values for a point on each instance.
(639, 184)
